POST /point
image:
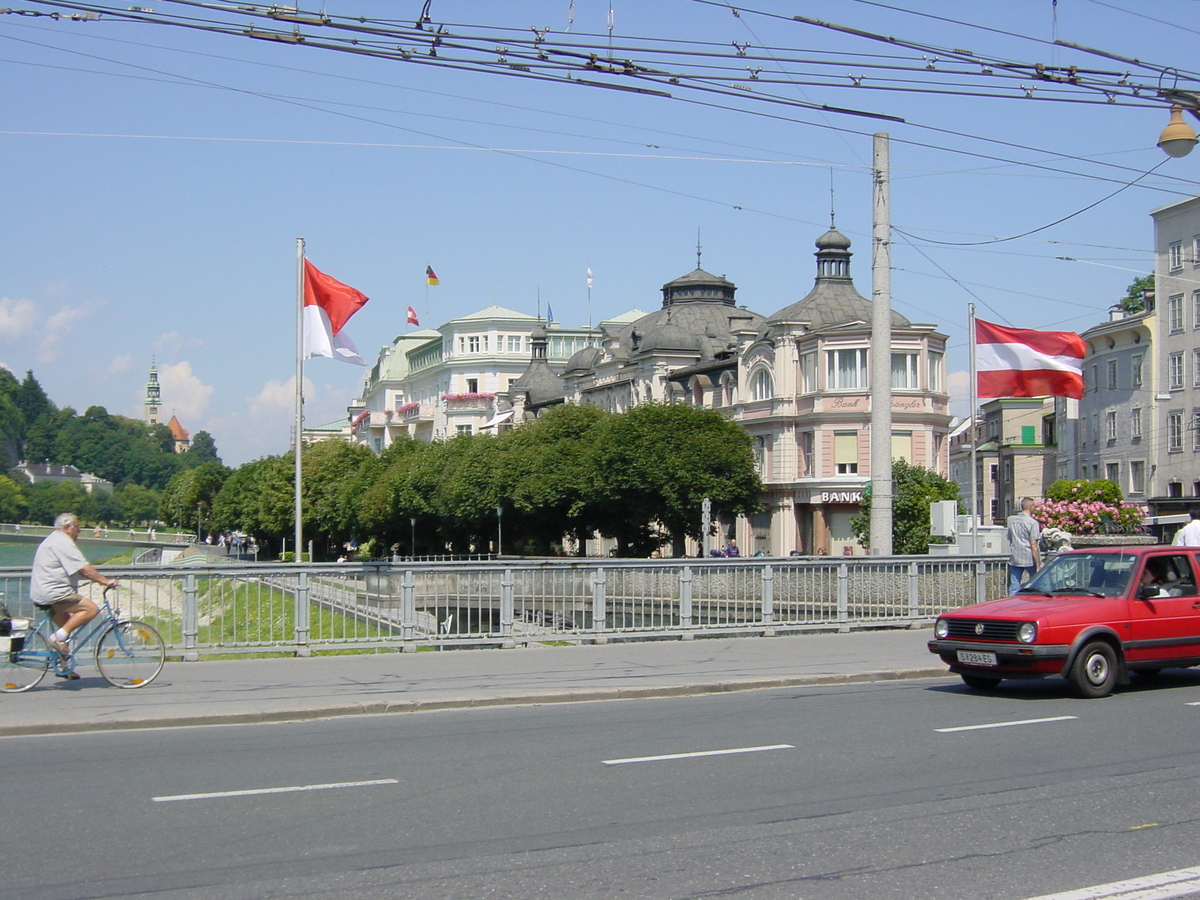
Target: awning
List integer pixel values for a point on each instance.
(498, 418)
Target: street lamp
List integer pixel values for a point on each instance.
(1178, 138)
(499, 531)
(412, 521)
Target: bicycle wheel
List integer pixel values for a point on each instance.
(22, 669)
(130, 654)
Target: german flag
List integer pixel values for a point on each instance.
(431, 276)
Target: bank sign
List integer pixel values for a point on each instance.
(838, 497)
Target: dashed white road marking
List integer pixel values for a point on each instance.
(639, 759)
(277, 790)
(1162, 886)
(1004, 724)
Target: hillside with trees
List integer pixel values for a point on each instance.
(138, 459)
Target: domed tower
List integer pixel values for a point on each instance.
(153, 402)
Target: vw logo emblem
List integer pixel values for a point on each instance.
(979, 628)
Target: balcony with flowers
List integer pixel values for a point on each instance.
(468, 401)
(413, 412)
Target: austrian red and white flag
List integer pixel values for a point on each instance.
(1019, 362)
(328, 305)
(412, 317)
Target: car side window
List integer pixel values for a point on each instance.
(1174, 574)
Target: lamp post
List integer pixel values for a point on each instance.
(413, 524)
(199, 537)
(499, 530)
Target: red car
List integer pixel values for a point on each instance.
(1090, 616)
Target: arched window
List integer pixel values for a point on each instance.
(762, 387)
(698, 392)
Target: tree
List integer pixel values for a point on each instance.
(203, 449)
(913, 489)
(1134, 300)
(189, 496)
(546, 468)
(657, 463)
(13, 504)
(138, 504)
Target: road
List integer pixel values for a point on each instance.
(895, 790)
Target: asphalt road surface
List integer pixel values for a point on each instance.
(917, 789)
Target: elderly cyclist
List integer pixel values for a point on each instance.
(57, 567)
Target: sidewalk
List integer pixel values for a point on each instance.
(274, 690)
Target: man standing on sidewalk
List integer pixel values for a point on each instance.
(1024, 555)
(57, 566)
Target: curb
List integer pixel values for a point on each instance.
(302, 714)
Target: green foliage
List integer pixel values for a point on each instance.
(138, 504)
(913, 489)
(1134, 300)
(657, 463)
(187, 500)
(203, 449)
(1101, 490)
(13, 504)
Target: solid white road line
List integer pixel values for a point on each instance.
(278, 790)
(1004, 724)
(638, 759)
(1162, 886)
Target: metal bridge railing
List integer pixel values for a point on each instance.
(300, 609)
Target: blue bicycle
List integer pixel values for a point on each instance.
(129, 653)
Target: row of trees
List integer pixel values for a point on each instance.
(639, 477)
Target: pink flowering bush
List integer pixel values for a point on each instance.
(405, 407)
(1086, 516)
(470, 395)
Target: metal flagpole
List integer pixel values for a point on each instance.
(976, 481)
(298, 443)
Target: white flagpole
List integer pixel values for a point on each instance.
(298, 443)
(976, 482)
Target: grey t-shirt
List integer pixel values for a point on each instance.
(1023, 529)
(56, 568)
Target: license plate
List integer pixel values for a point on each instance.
(974, 658)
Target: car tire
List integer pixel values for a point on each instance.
(1094, 672)
(979, 682)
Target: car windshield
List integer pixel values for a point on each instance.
(1092, 574)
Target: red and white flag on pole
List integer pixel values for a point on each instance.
(1019, 362)
(328, 305)
(412, 317)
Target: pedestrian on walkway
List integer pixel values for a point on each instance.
(1189, 534)
(1024, 554)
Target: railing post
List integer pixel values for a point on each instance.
(191, 617)
(843, 597)
(980, 581)
(506, 610)
(914, 593)
(768, 601)
(408, 612)
(302, 588)
(685, 602)
(600, 604)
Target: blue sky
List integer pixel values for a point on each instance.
(156, 180)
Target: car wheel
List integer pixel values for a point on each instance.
(979, 682)
(1094, 672)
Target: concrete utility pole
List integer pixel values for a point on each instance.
(881, 356)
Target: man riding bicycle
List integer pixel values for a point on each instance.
(57, 567)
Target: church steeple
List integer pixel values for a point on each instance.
(153, 397)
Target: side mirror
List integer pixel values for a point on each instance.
(1148, 591)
